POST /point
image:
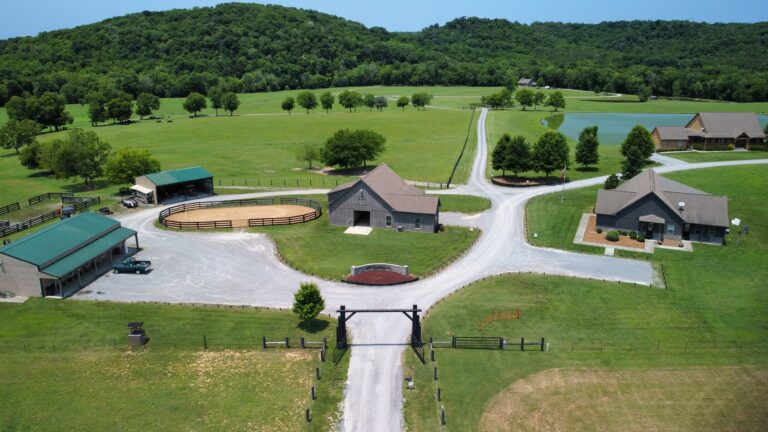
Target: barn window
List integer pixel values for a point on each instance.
(417, 223)
(361, 199)
(389, 221)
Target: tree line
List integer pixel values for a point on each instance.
(350, 100)
(253, 48)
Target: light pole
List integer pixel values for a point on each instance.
(736, 222)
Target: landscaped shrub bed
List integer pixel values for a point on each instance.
(380, 277)
(612, 236)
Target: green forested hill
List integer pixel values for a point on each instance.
(259, 48)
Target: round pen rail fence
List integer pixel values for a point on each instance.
(252, 222)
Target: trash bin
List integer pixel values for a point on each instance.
(136, 335)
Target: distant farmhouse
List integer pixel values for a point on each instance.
(711, 131)
(659, 208)
(172, 186)
(61, 258)
(526, 82)
(382, 199)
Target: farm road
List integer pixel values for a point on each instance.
(241, 268)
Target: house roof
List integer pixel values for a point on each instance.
(729, 125)
(699, 207)
(74, 260)
(55, 242)
(672, 133)
(525, 81)
(182, 175)
(398, 194)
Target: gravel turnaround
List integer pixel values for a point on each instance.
(242, 268)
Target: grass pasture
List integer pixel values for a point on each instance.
(464, 203)
(72, 357)
(705, 331)
(714, 398)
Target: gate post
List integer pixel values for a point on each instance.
(416, 325)
(341, 330)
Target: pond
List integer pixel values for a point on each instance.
(614, 127)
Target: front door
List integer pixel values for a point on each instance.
(649, 230)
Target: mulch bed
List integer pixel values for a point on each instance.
(591, 235)
(511, 181)
(381, 278)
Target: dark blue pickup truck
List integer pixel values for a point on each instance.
(131, 265)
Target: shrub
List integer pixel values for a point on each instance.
(623, 232)
(633, 235)
(612, 182)
(612, 236)
(641, 238)
(308, 302)
(599, 230)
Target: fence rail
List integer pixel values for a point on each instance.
(80, 204)
(9, 208)
(48, 195)
(314, 205)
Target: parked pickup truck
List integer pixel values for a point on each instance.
(131, 265)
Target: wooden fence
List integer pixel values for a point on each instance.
(79, 204)
(9, 208)
(48, 195)
(487, 342)
(241, 203)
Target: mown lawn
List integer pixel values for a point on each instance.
(695, 156)
(464, 203)
(322, 249)
(711, 314)
(64, 357)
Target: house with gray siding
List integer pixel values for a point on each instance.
(381, 199)
(712, 131)
(659, 209)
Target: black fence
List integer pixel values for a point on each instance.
(314, 205)
(79, 204)
(489, 343)
(463, 148)
(9, 208)
(48, 195)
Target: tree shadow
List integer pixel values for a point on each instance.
(351, 172)
(40, 174)
(11, 154)
(314, 325)
(587, 169)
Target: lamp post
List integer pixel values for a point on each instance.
(736, 222)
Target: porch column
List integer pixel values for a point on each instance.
(79, 281)
(136, 237)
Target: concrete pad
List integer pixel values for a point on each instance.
(14, 299)
(609, 251)
(358, 230)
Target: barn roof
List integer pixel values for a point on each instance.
(699, 208)
(398, 194)
(182, 175)
(63, 239)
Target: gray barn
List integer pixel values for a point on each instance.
(382, 199)
(659, 208)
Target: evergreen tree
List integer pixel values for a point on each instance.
(633, 163)
(639, 138)
(612, 182)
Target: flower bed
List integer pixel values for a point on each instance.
(380, 277)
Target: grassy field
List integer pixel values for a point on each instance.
(322, 249)
(72, 357)
(695, 156)
(711, 315)
(464, 203)
(259, 144)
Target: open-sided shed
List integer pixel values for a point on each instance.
(174, 185)
(60, 259)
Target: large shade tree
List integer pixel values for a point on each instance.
(550, 152)
(127, 163)
(586, 148)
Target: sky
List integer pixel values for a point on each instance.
(29, 17)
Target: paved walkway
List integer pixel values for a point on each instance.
(241, 268)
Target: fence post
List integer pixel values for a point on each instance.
(522, 344)
(442, 415)
(501, 343)
(205, 342)
(432, 355)
(287, 345)
(264, 342)
(301, 342)
(317, 372)
(308, 415)
(313, 392)
(438, 394)
(322, 355)
(435, 374)
(453, 342)
(542, 344)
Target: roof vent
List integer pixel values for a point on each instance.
(681, 206)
